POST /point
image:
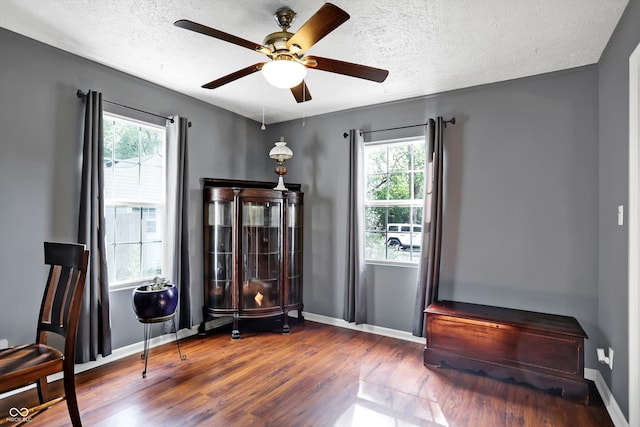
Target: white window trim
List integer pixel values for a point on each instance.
(417, 203)
(131, 284)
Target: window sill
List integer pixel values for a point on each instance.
(129, 285)
(392, 263)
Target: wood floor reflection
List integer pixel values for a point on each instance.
(318, 375)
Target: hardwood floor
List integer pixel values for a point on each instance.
(318, 375)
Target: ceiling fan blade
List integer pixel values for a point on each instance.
(347, 68)
(234, 76)
(326, 19)
(221, 35)
(301, 92)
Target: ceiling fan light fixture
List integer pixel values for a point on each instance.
(284, 73)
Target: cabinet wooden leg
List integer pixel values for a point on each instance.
(285, 326)
(202, 329)
(235, 333)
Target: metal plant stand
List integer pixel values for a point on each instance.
(147, 336)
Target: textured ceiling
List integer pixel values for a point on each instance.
(428, 46)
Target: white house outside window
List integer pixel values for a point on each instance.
(394, 191)
(134, 191)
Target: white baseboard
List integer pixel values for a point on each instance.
(377, 330)
(607, 397)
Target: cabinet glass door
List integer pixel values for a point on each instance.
(294, 253)
(219, 244)
(260, 248)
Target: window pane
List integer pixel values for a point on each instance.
(399, 215)
(151, 142)
(399, 158)
(108, 180)
(376, 160)
(418, 185)
(108, 138)
(416, 216)
(398, 253)
(127, 224)
(375, 218)
(418, 156)
(127, 142)
(375, 245)
(127, 260)
(110, 218)
(151, 259)
(111, 262)
(125, 181)
(151, 181)
(399, 186)
(376, 187)
(152, 222)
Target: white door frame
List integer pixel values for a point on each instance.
(634, 237)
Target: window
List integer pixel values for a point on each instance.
(134, 191)
(394, 192)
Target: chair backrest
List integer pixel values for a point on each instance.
(62, 301)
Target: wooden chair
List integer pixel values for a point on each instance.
(59, 314)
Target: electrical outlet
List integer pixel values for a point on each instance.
(4, 343)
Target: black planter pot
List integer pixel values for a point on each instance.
(155, 305)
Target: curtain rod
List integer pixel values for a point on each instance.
(452, 121)
(82, 95)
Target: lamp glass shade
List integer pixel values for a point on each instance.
(284, 73)
(281, 152)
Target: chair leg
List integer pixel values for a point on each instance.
(70, 394)
(43, 390)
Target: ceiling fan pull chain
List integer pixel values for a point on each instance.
(302, 107)
(263, 127)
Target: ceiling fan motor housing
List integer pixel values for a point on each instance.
(277, 41)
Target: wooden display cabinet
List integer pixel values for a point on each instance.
(252, 251)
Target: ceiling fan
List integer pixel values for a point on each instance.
(288, 65)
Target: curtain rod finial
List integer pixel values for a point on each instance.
(80, 94)
(345, 135)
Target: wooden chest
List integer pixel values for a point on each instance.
(543, 350)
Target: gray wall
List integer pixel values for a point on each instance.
(521, 203)
(613, 190)
(521, 213)
(40, 118)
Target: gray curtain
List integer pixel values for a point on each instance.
(355, 301)
(94, 328)
(429, 276)
(178, 216)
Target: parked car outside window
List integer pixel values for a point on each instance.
(404, 235)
